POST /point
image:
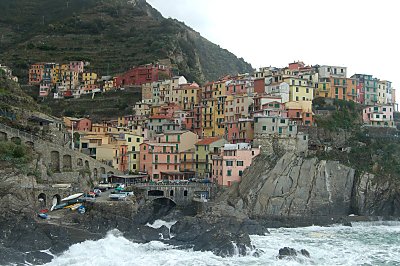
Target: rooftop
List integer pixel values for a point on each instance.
(208, 141)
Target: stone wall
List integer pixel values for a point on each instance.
(61, 163)
(180, 194)
(281, 144)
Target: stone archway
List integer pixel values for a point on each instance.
(30, 144)
(95, 174)
(55, 161)
(79, 162)
(102, 170)
(155, 193)
(87, 164)
(16, 140)
(67, 163)
(3, 136)
(42, 200)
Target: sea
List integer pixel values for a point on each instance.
(365, 243)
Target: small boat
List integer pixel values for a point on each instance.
(73, 207)
(44, 210)
(43, 215)
(76, 206)
(74, 196)
(59, 206)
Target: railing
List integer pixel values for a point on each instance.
(19, 133)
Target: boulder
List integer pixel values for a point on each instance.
(288, 252)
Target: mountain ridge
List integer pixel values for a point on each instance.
(113, 35)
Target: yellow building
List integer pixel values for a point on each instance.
(56, 74)
(300, 89)
(323, 90)
(186, 95)
(133, 142)
(208, 117)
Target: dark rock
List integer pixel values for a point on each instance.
(287, 252)
(347, 224)
(8, 255)
(305, 253)
(257, 253)
(223, 236)
(38, 257)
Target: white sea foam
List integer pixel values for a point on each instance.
(362, 244)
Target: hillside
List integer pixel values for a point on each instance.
(14, 102)
(113, 35)
(105, 106)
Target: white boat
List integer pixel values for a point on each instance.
(71, 197)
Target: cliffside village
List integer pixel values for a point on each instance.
(181, 130)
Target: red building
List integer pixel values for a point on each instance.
(143, 74)
(259, 86)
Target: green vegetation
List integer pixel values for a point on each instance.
(104, 106)
(373, 150)
(15, 153)
(112, 35)
(342, 114)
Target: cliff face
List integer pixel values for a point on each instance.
(295, 186)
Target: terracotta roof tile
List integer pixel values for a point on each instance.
(208, 141)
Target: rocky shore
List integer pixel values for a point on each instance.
(291, 191)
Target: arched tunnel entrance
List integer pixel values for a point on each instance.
(162, 207)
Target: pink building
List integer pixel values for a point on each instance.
(228, 167)
(77, 66)
(83, 124)
(379, 116)
(161, 159)
(239, 131)
(158, 158)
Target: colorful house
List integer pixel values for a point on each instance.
(231, 162)
(301, 112)
(379, 116)
(300, 89)
(133, 150)
(204, 151)
(161, 159)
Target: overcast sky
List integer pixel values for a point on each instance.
(360, 34)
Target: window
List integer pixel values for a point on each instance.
(229, 173)
(264, 128)
(239, 163)
(297, 89)
(144, 157)
(229, 163)
(155, 176)
(240, 173)
(156, 166)
(144, 147)
(137, 139)
(129, 140)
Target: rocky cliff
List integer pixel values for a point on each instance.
(297, 186)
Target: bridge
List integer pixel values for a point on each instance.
(180, 194)
(63, 164)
